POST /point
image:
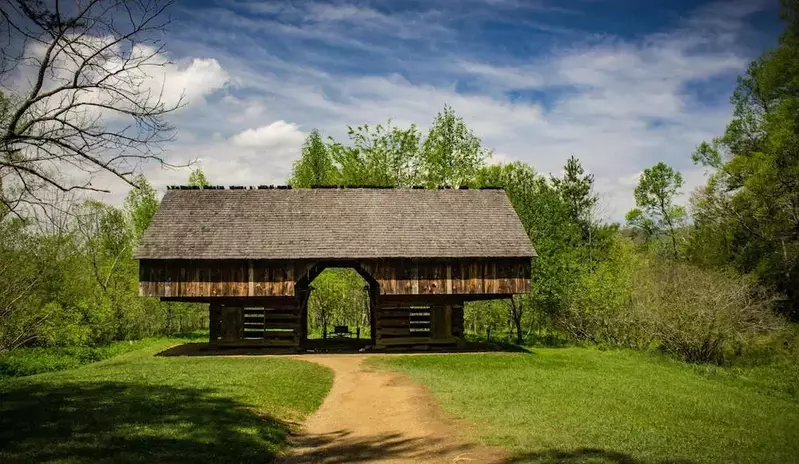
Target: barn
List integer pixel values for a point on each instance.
(252, 253)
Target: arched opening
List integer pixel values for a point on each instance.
(338, 305)
(338, 301)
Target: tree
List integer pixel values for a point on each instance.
(576, 189)
(141, 204)
(379, 156)
(197, 178)
(654, 195)
(315, 166)
(451, 153)
(751, 197)
(87, 104)
(546, 218)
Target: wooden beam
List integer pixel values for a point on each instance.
(251, 278)
(417, 341)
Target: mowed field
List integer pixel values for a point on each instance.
(552, 405)
(586, 405)
(138, 407)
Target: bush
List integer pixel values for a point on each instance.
(695, 314)
(599, 309)
(702, 315)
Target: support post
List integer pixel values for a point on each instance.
(441, 321)
(214, 323)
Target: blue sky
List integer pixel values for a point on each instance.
(619, 84)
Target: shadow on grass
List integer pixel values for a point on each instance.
(341, 447)
(127, 423)
(331, 347)
(585, 455)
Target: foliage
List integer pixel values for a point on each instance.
(749, 207)
(315, 166)
(654, 195)
(555, 216)
(599, 310)
(73, 280)
(698, 315)
(702, 315)
(142, 204)
(338, 298)
(587, 405)
(379, 156)
(576, 189)
(197, 178)
(141, 407)
(451, 153)
(386, 155)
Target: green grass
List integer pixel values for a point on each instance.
(29, 361)
(138, 407)
(586, 405)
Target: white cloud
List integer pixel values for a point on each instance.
(279, 133)
(620, 105)
(201, 77)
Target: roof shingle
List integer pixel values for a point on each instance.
(334, 224)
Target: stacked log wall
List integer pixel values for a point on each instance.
(255, 323)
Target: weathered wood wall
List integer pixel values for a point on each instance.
(256, 323)
(259, 278)
(453, 277)
(218, 278)
(399, 322)
(412, 325)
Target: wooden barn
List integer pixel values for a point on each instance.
(253, 253)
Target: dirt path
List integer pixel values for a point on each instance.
(372, 416)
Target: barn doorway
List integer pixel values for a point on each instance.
(337, 306)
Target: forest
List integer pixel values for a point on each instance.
(713, 280)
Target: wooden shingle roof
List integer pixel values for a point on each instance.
(334, 224)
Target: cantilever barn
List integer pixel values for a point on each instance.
(253, 253)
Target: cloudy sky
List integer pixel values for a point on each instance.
(619, 84)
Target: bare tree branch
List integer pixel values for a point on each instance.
(78, 95)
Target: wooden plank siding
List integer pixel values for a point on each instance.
(262, 278)
(250, 323)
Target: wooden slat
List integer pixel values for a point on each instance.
(259, 342)
(394, 331)
(393, 323)
(392, 314)
(416, 341)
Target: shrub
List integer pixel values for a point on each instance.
(696, 314)
(599, 309)
(702, 315)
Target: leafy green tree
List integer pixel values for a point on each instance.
(576, 189)
(655, 195)
(546, 218)
(640, 222)
(197, 178)
(451, 153)
(315, 166)
(338, 298)
(141, 204)
(750, 202)
(379, 156)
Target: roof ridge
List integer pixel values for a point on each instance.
(327, 187)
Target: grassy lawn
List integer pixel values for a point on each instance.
(138, 407)
(585, 405)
